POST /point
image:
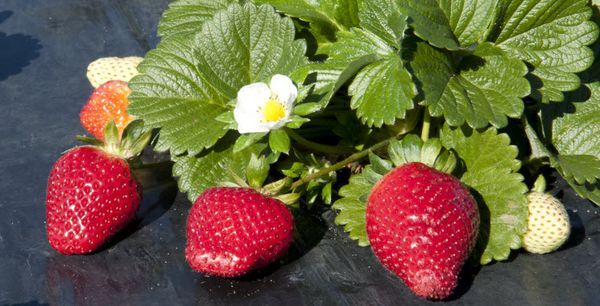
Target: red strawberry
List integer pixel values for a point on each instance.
(231, 231)
(92, 193)
(91, 196)
(108, 103)
(422, 225)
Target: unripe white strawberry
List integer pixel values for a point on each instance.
(107, 69)
(548, 226)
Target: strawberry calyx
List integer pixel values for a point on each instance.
(126, 146)
(539, 185)
(256, 174)
(425, 150)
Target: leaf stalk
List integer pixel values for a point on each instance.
(341, 164)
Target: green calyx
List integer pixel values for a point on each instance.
(126, 146)
(429, 152)
(539, 185)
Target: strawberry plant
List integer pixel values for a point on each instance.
(321, 103)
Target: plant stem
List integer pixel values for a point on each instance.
(316, 146)
(339, 165)
(426, 125)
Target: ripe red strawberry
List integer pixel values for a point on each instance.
(231, 231)
(92, 193)
(422, 225)
(91, 196)
(108, 103)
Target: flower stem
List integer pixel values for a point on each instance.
(339, 165)
(426, 126)
(317, 146)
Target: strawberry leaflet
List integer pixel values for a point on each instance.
(574, 126)
(382, 89)
(482, 88)
(325, 16)
(185, 17)
(550, 35)
(491, 171)
(352, 205)
(450, 24)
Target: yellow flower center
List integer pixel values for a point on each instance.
(273, 111)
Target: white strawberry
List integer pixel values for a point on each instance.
(548, 224)
(107, 69)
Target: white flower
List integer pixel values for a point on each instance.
(261, 108)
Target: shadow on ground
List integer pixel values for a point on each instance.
(16, 51)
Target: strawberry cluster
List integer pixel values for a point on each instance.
(422, 223)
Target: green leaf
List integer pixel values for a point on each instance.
(247, 44)
(352, 204)
(295, 122)
(469, 20)
(246, 140)
(582, 168)
(187, 82)
(383, 18)
(325, 16)
(449, 24)
(352, 212)
(214, 167)
(354, 50)
(357, 43)
(587, 190)
(538, 148)
(574, 128)
(430, 22)
(185, 17)
(279, 141)
(382, 92)
(306, 108)
(491, 171)
(257, 171)
(576, 125)
(550, 35)
(488, 87)
(227, 117)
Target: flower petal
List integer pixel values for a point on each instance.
(250, 100)
(251, 126)
(285, 90)
(253, 96)
(273, 125)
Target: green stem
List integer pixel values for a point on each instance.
(316, 146)
(426, 126)
(339, 165)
